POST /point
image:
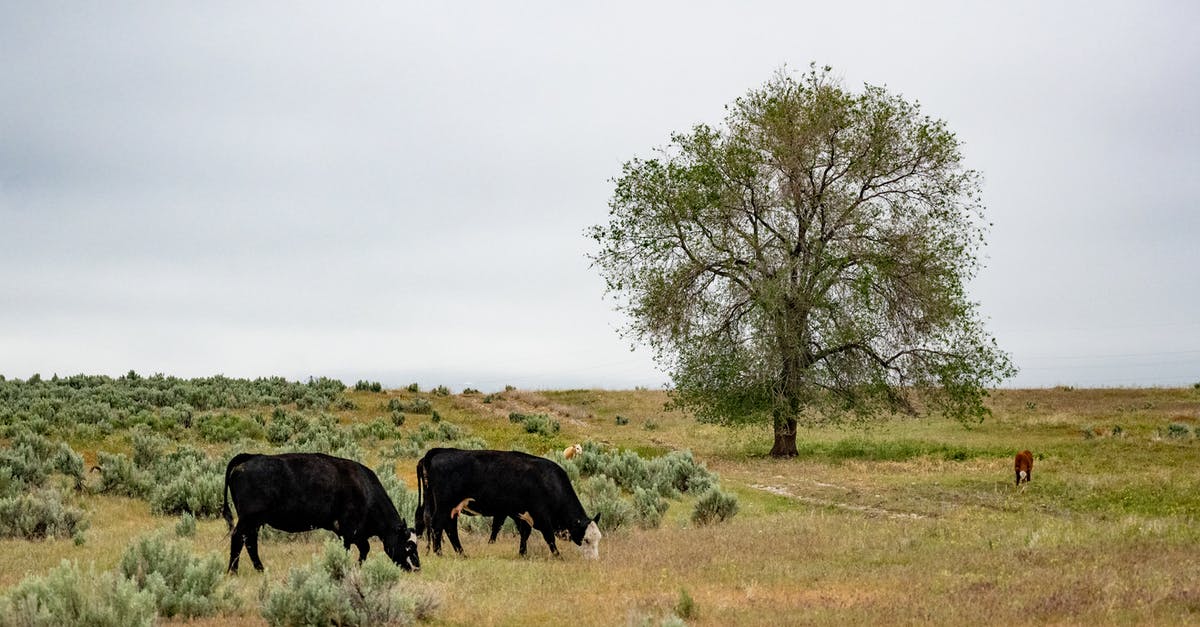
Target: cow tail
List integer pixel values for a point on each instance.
(420, 515)
(225, 511)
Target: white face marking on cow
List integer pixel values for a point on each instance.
(591, 541)
(1022, 474)
(412, 563)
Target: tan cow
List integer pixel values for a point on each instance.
(1023, 466)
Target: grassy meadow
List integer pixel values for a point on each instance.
(911, 520)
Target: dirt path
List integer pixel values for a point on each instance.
(863, 509)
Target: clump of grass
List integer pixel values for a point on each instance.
(685, 607)
(857, 448)
(714, 506)
(622, 420)
(68, 596)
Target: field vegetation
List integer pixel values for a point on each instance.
(110, 490)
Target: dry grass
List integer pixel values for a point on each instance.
(911, 521)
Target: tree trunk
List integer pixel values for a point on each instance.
(785, 439)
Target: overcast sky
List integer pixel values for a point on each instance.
(400, 192)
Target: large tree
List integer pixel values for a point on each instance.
(806, 261)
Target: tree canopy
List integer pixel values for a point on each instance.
(806, 261)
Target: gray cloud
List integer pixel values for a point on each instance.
(400, 192)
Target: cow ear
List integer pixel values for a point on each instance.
(597, 518)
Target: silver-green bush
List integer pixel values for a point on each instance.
(68, 597)
(714, 505)
(40, 514)
(335, 590)
(182, 584)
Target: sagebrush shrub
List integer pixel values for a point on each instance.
(194, 488)
(118, 475)
(404, 499)
(335, 590)
(418, 406)
(186, 527)
(1177, 430)
(714, 505)
(182, 584)
(377, 429)
(648, 508)
(32, 458)
(541, 424)
(147, 448)
(228, 428)
(678, 471)
(600, 495)
(40, 514)
(69, 597)
(441, 390)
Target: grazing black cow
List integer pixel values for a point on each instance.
(532, 490)
(303, 491)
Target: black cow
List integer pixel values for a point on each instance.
(532, 490)
(303, 491)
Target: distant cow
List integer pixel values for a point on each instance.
(297, 492)
(572, 451)
(1024, 466)
(534, 491)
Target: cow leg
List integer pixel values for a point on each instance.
(235, 549)
(524, 530)
(435, 532)
(497, 523)
(252, 548)
(549, 537)
(452, 533)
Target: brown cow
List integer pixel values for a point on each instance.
(1024, 466)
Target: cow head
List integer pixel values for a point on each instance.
(400, 544)
(587, 535)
